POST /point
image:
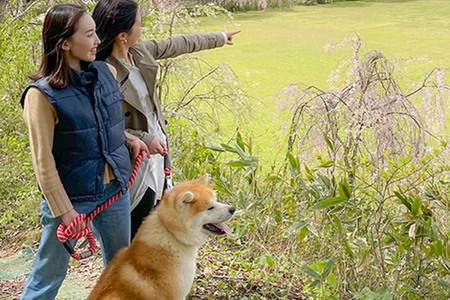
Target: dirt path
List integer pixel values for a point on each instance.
(16, 262)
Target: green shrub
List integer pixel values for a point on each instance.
(19, 39)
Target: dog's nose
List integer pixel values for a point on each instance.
(232, 210)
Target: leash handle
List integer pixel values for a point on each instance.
(65, 233)
(68, 247)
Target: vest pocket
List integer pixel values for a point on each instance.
(113, 107)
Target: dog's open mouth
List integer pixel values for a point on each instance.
(218, 228)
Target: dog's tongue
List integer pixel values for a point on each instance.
(223, 227)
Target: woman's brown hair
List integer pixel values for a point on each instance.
(60, 24)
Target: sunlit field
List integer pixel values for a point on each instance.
(303, 45)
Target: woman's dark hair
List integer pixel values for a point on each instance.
(113, 17)
(60, 24)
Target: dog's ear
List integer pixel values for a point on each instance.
(204, 179)
(183, 200)
(187, 197)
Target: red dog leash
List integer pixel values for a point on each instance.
(65, 233)
(167, 171)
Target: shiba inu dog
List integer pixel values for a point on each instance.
(160, 263)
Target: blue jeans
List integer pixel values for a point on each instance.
(111, 228)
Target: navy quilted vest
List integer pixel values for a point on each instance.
(89, 132)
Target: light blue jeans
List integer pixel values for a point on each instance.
(111, 228)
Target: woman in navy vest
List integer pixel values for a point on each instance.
(78, 146)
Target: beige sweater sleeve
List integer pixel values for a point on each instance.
(40, 117)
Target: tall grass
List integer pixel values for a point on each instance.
(359, 209)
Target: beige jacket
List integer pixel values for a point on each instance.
(145, 54)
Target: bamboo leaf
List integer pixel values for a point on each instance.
(303, 233)
(311, 273)
(215, 148)
(294, 165)
(329, 202)
(444, 284)
(312, 229)
(278, 216)
(348, 249)
(239, 163)
(307, 170)
(438, 248)
(314, 284)
(274, 178)
(326, 164)
(241, 151)
(404, 200)
(328, 141)
(338, 223)
(327, 268)
(228, 148)
(416, 206)
(324, 180)
(295, 227)
(240, 141)
(344, 189)
(269, 260)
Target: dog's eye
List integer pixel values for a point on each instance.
(211, 208)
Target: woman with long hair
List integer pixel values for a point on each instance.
(78, 145)
(119, 29)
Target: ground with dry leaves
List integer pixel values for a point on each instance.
(221, 274)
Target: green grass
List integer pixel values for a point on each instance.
(282, 46)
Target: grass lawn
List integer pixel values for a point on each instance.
(281, 46)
